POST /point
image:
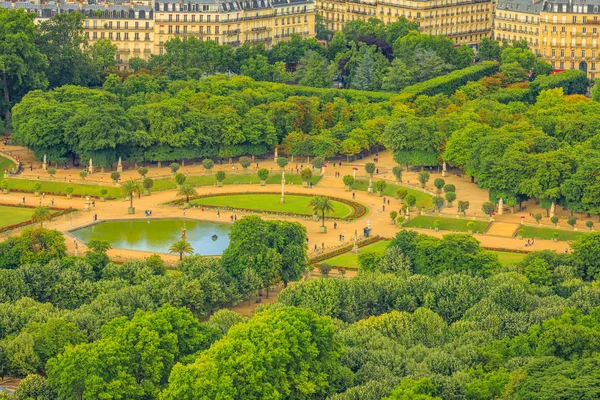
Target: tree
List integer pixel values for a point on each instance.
(489, 49)
(180, 179)
(411, 200)
(181, 247)
(83, 175)
(589, 224)
(537, 217)
(34, 387)
(463, 205)
(306, 175)
(439, 184)
(257, 370)
(40, 215)
(370, 169)
(554, 220)
(585, 255)
(174, 167)
(143, 171)
(572, 221)
(437, 202)
(115, 176)
(220, 176)
(393, 215)
(147, 183)
(245, 162)
(187, 191)
(321, 204)
(397, 172)
(423, 178)
(314, 71)
(398, 76)
(401, 193)
(282, 162)
(380, 187)
(488, 208)
(208, 164)
(350, 148)
(450, 197)
(449, 188)
(52, 172)
(103, 54)
(318, 162)
(22, 65)
(348, 181)
(263, 175)
(131, 188)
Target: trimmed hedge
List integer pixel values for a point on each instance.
(572, 82)
(448, 84)
(508, 95)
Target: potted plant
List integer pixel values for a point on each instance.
(380, 187)
(36, 188)
(348, 182)
(69, 191)
(220, 178)
(115, 176)
(52, 172)
(555, 236)
(143, 171)
(397, 172)
(103, 193)
(174, 168)
(245, 162)
(147, 184)
(187, 191)
(83, 174)
(263, 175)
(589, 224)
(436, 225)
(5, 186)
(180, 180)
(321, 204)
(131, 188)
(208, 164)
(521, 233)
(393, 216)
(554, 220)
(306, 176)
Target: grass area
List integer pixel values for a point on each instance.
(271, 202)
(548, 233)
(350, 259)
(446, 224)
(507, 258)
(5, 163)
(58, 188)
(423, 199)
(231, 179)
(14, 215)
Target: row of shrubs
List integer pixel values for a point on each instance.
(448, 84)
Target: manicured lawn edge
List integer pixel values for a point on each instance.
(531, 232)
(342, 250)
(428, 220)
(58, 213)
(358, 210)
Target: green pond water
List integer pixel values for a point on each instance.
(157, 235)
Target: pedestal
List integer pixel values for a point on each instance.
(119, 168)
(87, 206)
(45, 166)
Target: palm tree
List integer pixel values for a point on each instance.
(40, 215)
(186, 191)
(321, 204)
(182, 247)
(129, 189)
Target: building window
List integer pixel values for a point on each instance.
(572, 53)
(553, 52)
(593, 65)
(562, 52)
(574, 19)
(582, 53)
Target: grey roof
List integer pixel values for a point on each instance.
(524, 6)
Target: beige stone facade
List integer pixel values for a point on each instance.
(141, 29)
(563, 33)
(463, 21)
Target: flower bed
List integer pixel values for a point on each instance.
(358, 210)
(59, 212)
(344, 249)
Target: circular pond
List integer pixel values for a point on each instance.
(157, 235)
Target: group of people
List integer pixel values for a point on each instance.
(148, 213)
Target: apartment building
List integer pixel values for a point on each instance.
(463, 21)
(562, 32)
(140, 29)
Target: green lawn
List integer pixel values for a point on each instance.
(271, 202)
(446, 224)
(59, 187)
(14, 215)
(548, 233)
(507, 258)
(5, 163)
(231, 179)
(350, 259)
(423, 199)
(161, 184)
